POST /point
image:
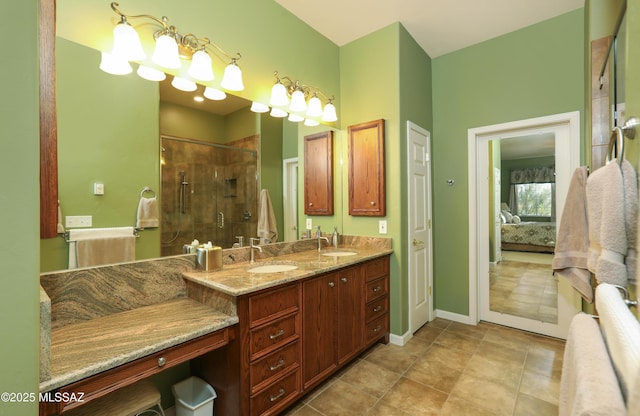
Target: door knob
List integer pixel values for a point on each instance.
(417, 242)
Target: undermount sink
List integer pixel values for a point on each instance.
(273, 268)
(338, 253)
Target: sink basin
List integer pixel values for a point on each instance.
(273, 268)
(338, 253)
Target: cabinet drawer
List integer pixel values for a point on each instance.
(265, 339)
(274, 365)
(273, 303)
(376, 288)
(376, 308)
(275, 397)
(376, 268)
(376, 329)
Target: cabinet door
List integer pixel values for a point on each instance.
(367, 189)
(350, 319)
(318, 174)
(318, 327)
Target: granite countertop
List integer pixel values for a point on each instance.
(237, 279)
(89, 347)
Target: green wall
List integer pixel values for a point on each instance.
(532, 72)
(19, 206)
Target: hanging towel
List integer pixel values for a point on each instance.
(60, 227)
(608, 234)
(572, 246)
(96, 246)
(588, 385)
(621, 332)
(147, 213)
(267, 228)
(630, 180)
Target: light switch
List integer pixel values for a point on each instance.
(382, 226)
(98, 188)
(309, 224)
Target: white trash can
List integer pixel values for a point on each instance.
(194, 397)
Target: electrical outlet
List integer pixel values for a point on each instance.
(98, 188)
(309, 224)
(78, 221)
(382, 226)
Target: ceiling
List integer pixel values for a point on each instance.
(524, 147)
(439, 26)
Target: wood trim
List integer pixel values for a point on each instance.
(48, 121)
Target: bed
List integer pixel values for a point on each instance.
(529, 236)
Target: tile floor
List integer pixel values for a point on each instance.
(524, 287)
(447, 368)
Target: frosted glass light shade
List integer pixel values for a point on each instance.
(126, 43)
(315, 107)
(232, 78)
(200, 68)
(329, 114)
(279, 95)
(259, 107)
(114, 65)
(276, 112)
(214, 94)
(310, 122)
(298, 103)
(295, 118)
(166, 52)
(150, 74)
(183, 84)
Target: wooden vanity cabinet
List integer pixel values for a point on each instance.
(270, 351)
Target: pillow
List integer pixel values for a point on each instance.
(516, 219)
(507, 216)
(504, 207)
(502, 218)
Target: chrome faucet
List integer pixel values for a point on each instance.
(320, 238)
(251, 243)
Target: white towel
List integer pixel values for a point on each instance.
(95, 246)
(621, 331)
(572, 246)
(607, 201)
(588, 385)
(60, 227)
(147, 213)
(267, 228)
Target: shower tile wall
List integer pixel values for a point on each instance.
(220, 199)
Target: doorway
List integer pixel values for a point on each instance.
(566, 130)
(290, 198)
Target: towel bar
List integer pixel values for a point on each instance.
(66, 237)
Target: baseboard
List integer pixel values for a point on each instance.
(400, 340)
(463, 319)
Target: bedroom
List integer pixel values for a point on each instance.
(523, 227)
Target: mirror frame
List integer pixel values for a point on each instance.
(48, 121)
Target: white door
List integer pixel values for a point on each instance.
(497, 230)
(420, 247)
(290, 196)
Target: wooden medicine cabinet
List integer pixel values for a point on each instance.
(318, 174)
(367, 189)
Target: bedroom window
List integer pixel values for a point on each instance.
(534, 199)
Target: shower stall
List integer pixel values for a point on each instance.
(209, 192)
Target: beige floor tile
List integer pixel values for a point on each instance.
(456, 406)
(392, 357)
(303, 410)
(370, 378)
(486, 394)
(531, 406)
(428, 333)
(383, 409)
(414, 398)
(476, 331)
(342, 399)
(439, 368)
(453, 339)
(541, 387)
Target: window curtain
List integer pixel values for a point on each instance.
(544, 174)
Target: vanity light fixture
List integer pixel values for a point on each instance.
(171, 50)
(289, 97)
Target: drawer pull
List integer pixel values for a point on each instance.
(275, 367)
(331, 284)
(377, 308)
(344, 280)
(277, 396)
(162, 361)
(377, 329)
(277, 334)
(377, 289)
